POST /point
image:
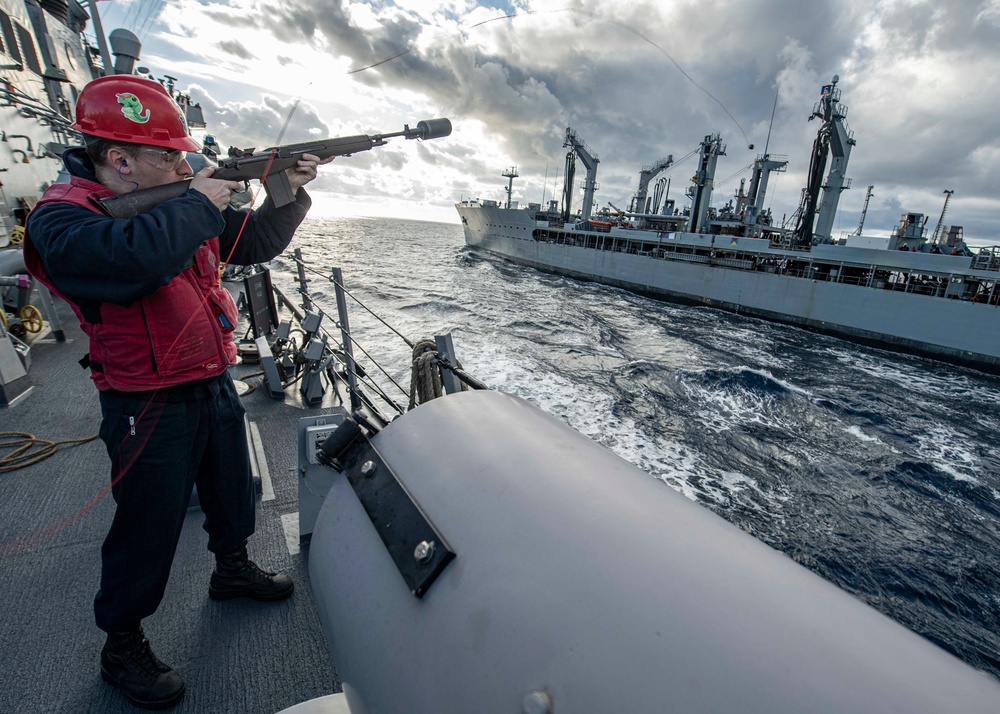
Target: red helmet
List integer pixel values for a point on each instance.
(132, 110)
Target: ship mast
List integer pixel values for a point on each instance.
(102, 42)
(510, 174)
(750, 205)
(834, 138)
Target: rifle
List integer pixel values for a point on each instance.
(246, 164)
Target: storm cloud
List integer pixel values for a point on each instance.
(638, 80)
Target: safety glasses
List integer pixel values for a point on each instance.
(160, 158)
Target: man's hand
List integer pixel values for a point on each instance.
(305, 172)
(216, 190)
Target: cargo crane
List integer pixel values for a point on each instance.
(704, 180)
(834, 138)
(578, 148)
(640, 204)
(752, 204)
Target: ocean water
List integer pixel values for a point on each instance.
(879, 471)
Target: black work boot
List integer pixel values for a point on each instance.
(128, 662)
(237, 576)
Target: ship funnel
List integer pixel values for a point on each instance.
(125, 46)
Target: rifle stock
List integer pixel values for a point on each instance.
(269, 166)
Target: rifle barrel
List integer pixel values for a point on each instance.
(242, 168)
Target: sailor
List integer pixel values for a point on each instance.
(146, 291)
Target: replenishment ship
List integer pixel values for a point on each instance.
(927, 294)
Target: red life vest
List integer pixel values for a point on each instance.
(181, 333)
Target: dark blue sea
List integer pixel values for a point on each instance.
(879, 471)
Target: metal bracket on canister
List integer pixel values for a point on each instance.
(418, 550)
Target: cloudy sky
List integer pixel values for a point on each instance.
(635, 79)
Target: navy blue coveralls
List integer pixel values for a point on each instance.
(179, 436)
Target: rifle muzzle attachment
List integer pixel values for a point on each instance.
(431, 129)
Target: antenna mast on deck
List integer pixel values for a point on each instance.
(510, 174)
(937, 229)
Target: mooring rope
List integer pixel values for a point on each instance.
(426, 382)
(22, 444)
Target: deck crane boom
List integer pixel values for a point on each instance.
(864, 210)
(834, 138)
(640, 204)
(589, 160)
(936, 238)
(704, 181)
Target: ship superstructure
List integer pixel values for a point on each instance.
(43, 64)
(926, 295)
(45, 60)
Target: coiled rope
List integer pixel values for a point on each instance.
(21, 445)
(425, 381)
(425, 374)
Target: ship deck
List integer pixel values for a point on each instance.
(236, 656)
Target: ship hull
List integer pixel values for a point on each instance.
(955, 330)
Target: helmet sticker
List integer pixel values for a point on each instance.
(132, 108)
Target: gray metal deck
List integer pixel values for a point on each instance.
(237, 656)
